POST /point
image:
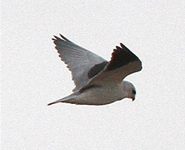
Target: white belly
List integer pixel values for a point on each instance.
(99, 96)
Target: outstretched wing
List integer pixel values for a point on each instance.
(122, 63)
(82, 63)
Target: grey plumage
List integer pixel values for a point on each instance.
(97, 80)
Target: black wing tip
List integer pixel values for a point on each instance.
(123, 46)
(121, 56)
(58, 38)
(63, 38)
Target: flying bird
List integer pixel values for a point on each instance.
(97, 81)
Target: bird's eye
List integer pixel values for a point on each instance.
(134, 91)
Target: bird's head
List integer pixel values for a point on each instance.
(129, 90)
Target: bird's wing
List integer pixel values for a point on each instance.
(122, 63)
(82, 63)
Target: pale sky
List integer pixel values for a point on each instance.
(33, 75)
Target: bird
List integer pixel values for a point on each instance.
(97, 81)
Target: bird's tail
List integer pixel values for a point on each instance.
(65, 99)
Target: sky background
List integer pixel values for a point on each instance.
(33, 75)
